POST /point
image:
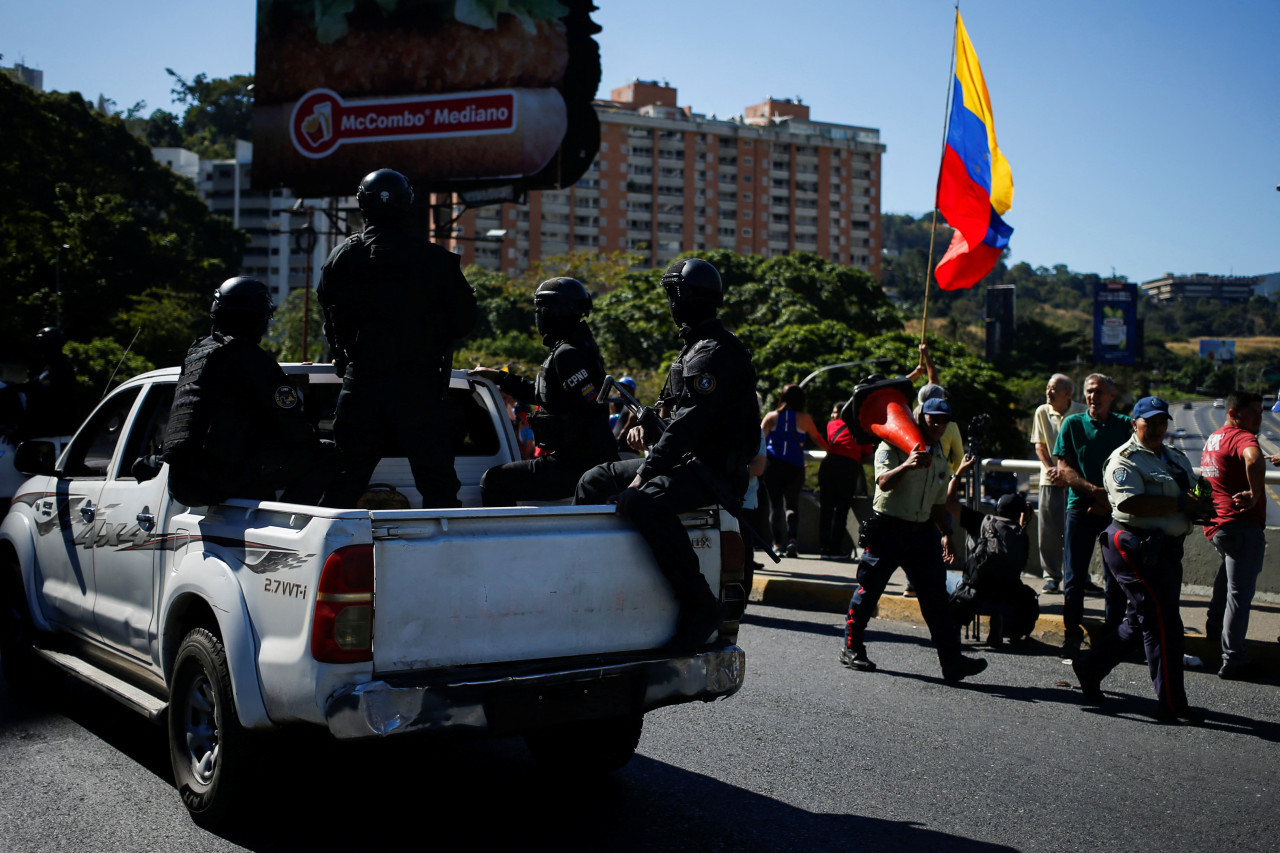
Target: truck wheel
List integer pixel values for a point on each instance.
(206, 742)
(28, 675)
(591, 747)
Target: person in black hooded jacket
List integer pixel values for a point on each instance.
(571, 428)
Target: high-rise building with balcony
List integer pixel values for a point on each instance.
(668, 180)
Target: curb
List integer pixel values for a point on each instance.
(830, 597)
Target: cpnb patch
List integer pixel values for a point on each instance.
(704, 384)
(286, 397)
(1120, 474)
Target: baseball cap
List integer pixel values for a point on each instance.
(936, 406)
(1011, 506)
(1149, 407)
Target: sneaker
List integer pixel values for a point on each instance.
(961, 669)
(792, 550)
(857, 659)
(1090, 684)
(1051, 585)
(1188, 716)
(909, 592)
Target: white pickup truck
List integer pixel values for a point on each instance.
(547, 622)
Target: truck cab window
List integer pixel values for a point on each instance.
(92, 449)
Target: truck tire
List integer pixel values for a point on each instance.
(591, 747)
(206, 741)
(29, 676)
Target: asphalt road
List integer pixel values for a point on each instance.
(1200, 421)
(808, 756)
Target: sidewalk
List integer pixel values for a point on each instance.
(810, 583)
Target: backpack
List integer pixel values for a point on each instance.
(1000, 553)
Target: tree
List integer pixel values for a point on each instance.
(91, 218)
(219, 111)
(165, 323)
(285, 335)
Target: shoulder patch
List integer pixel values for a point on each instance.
(704, 383)
(1126, 452)
(1120, 474)
(882, 455)
(286, 397)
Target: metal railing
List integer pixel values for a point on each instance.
(1031, 466)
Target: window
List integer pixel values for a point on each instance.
(746, 232)
(90, 455)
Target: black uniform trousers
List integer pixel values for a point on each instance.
(1149, 569)
(916, 547)
(842, 485)
(655, 513)
(542, 478)
(395, 414)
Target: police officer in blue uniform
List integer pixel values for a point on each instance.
(1149, 487)
(711, 434)
(394, 303)
(571, 427)
(236, 427)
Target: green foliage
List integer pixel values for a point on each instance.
(166, 323)
(92, 215)
(219, 111)
(101, 364)
(285, 336)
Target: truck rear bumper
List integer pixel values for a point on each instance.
(482, 702)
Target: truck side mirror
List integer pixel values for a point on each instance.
(36, 458)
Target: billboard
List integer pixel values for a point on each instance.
(1115, 322)
(1217, 351)
(456, 94)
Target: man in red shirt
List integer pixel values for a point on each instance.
(842, 484)
(1234, 465)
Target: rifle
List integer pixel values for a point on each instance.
(647, 417)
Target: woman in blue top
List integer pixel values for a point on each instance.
(785, 430)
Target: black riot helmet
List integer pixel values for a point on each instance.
(242, 307)
(558, 305)
(51, 338)
(694, 291)
(384, 196)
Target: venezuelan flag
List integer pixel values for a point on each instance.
(975, 185)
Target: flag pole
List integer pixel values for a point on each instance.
(946, 123)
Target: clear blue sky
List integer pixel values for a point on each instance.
(1143, 136)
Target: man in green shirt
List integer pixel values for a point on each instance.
(907, 529)
(1084, 443)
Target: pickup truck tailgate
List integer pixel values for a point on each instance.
(458, 587)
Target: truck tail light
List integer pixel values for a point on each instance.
(342, 631)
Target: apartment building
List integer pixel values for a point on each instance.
(288, 239)
(1220, 288)
(667, 180)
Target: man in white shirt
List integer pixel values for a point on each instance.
(1052, 510)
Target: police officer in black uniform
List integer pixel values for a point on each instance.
(701, 458)
(236, 427)
(394, 303)
(572, 428)
(50, 393)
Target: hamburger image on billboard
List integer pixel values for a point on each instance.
(455, 93)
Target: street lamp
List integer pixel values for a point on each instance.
(805, 381)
